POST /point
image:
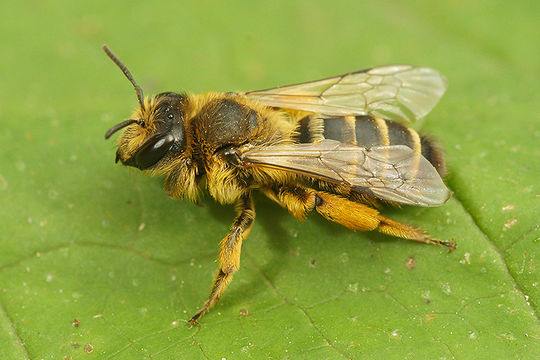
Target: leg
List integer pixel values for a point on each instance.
(229, 253)
(299, 200)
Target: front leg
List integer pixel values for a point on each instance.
(229, 253)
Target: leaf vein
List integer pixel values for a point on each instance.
(476, 223)
(302, 309)
(72, 244)
(16, 334)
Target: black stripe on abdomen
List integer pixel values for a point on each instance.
(399, 134)
(367, 132)
(303, 131)
(374, 131)
(334, 128)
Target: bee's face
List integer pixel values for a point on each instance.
(158, 136)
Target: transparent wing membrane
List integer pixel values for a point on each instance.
(392, 173)
(395, 92)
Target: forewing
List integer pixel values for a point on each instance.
(392, 173)
(395, 92)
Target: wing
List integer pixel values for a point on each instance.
(391, 173)
(395, 92)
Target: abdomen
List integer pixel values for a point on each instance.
(368, 131)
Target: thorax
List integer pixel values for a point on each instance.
(219, 121)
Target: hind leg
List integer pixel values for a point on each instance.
(300, 200)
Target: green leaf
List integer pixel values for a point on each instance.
(84, 242)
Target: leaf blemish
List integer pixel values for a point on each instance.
(410, 263)
(3, 183)
(446, 288)
(88, 348)
(466, 259)
(509, 224)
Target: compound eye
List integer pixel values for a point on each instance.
(153, 151)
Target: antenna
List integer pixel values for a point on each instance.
(122, 125)
(126, 72)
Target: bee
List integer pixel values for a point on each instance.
(340, 146)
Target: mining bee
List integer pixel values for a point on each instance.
(340, 146)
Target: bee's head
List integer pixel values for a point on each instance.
(155, 132)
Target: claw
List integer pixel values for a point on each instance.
(451, 245)
(195, 319)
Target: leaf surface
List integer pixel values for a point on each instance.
(84, 242)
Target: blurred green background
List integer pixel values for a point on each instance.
(81, 238)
